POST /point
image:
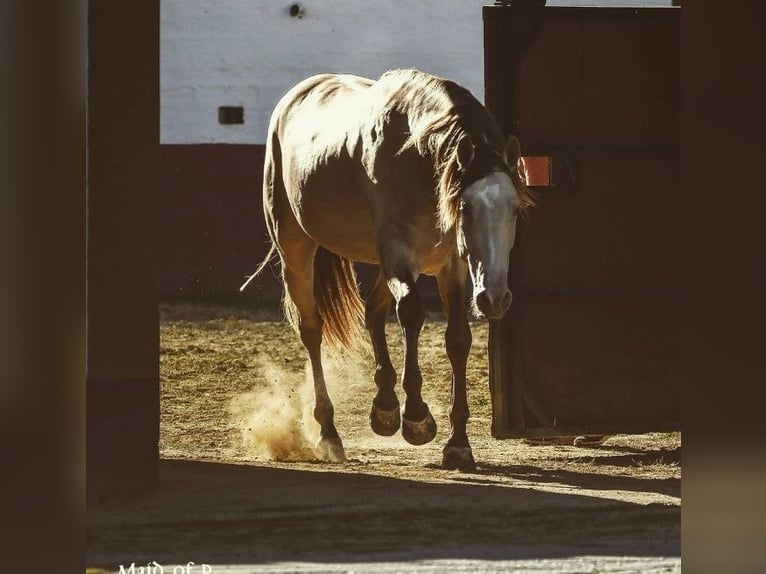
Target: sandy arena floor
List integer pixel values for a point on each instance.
(240, 489)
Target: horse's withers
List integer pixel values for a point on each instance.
(486, 234)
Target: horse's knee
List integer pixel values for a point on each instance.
(311, 333)
(458, 342)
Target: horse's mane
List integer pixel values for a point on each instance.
(441, 114)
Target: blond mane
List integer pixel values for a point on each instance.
(441, 114)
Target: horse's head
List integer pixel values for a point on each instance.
(486, 228)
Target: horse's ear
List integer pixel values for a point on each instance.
(464, 152)
(512, 150)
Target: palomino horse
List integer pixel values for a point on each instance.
(409, 172)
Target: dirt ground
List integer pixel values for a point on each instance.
(240, 484)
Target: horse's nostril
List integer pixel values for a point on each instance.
(482, 301)
(493, 308)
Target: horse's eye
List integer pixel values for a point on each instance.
(465, 207)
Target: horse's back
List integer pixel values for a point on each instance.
(318, 93)
(317, 130)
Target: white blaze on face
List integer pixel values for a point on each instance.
(486, 235)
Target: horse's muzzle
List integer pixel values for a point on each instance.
(493, 307)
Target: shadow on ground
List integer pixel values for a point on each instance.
(237, 514)
(585, 480)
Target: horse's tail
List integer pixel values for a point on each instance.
(272, 176)
(261, 266)
(338, 300)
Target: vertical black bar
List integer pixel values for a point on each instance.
(123, 163)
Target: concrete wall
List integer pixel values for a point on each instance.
(249, 53)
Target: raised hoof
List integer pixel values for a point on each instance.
(421, 432)
(384, 423)
(330, 449)
(458, 458)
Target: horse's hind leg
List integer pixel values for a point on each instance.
(298, 270)
(384, 415)
(457, 453)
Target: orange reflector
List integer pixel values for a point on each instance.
(538, 169)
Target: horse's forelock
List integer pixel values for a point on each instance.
(452, 175)
(452, 181)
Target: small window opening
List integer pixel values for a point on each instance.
(231, 115)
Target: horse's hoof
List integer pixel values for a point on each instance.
(330, 449)
(458, 458)
(421, 432)
(384, 423)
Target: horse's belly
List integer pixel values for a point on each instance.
(338, 219)
(347, 241)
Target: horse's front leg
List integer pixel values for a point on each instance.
(418, 426)
(384, 415)
(452, 281)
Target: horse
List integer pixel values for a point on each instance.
(408, 172)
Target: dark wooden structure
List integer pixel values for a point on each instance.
(591, 342)
(122, 388)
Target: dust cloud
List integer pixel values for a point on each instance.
(275, 418)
